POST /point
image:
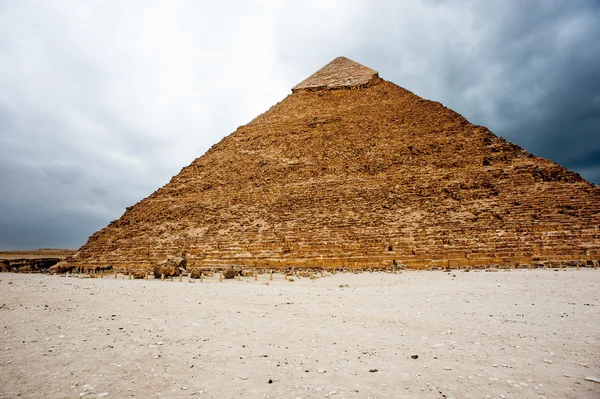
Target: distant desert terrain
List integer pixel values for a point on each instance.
(504, 334)
(36, 253)
(32, 261)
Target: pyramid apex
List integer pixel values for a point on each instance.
(340, 73)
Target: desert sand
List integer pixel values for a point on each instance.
(513, 334)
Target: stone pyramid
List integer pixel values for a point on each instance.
(353, 171)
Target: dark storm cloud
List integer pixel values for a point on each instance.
(100, 104)
(552, 63)
(527, 70)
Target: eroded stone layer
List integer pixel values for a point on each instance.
(359, 178)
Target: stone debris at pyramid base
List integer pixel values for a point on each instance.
(353, 172)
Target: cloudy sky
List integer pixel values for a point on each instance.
(101, 102)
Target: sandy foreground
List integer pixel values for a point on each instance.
(514, 334)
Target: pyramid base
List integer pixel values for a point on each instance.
(361, 263)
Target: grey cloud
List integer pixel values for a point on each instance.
(100, 192)
(63, 173)
(529, 71)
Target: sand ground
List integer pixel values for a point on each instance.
(516, 334)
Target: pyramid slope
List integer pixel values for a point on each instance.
(359, 178)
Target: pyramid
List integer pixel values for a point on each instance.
(352, 171)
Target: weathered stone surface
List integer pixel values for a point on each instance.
(33, 261)
(359, 179)
(196, 273)
(172, 266)
(230, 273)
(139, 275)
(36, 265)
(166, 271)
(61, 267)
